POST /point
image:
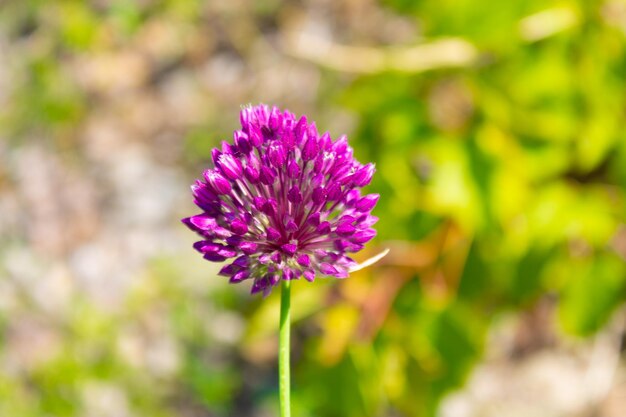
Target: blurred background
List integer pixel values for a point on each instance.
(498, 132)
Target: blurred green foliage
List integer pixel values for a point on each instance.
(502, 182)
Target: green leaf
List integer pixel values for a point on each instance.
(596, 287)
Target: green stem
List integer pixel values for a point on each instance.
(283, 350)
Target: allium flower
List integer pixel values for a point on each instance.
(283, 201)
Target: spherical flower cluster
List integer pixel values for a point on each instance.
(283, 201)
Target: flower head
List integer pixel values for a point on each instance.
(283, 201)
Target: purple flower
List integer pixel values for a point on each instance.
(283, 201)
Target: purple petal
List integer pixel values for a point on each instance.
(255, 137)
(230, 166)
(363, 236)
(346, 219)
(287, 134)
(368, 221)
(217, 182)
(234, 241)
(273, 279)
(267, 176)
(214, 257)
(345, 230)
(275, 119)
(291, 226)
(323, 228)
(261, 112)
(314, 219)
(325, 141)
(205, 246)
(319, 195)
(273, 234)
(248, 247)
(293, 170)
(270, 207)
(320, 253)
(341, 172)
(215, 155)
(245, 116)
(221, 232)
(258, 203)
(309, 275)
(310, 149)
(241, 140)
(312, 130)
(363, 175)
(319, 163)
(202, 194)
(252, 174)
(240, 276)
(276, 154)
(228, 270)
(327, 269)
(242, 261)
(341, 244)
(294, 195)
(340, 145)
(352, 197)
(288, 274)
(228, 148)
(260, 284)
(289, 249)
(334, 192)
(239, 227)
(300, 130)
(341, 273)
(345, 261)
(227, 252)
(367, 203)
(201, 222)
(304, 260)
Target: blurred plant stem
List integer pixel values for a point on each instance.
(283, 350)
